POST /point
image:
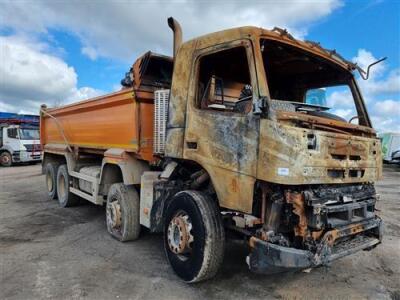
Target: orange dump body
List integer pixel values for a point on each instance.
(116, 120)
(123, 119)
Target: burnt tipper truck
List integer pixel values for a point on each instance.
(221, 137)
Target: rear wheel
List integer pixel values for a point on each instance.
(51, 180)
(5, 159)
(122, 212)
(65, 197)
(194, 237)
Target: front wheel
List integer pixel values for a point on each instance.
(5, 159)
(194, 238)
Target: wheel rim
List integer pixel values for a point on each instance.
(5, 159)
(49, 181)
(179, 235)
(61, 186)
(114, 217)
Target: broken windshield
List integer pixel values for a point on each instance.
(300, 81)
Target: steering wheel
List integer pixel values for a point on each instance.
(353, 118)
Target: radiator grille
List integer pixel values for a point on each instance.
(160, 120)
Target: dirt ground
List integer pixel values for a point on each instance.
(50, 252)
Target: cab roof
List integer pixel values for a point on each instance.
(277, 34)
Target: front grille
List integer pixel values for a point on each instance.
(332, 206)
(33, 147)
(343, 214)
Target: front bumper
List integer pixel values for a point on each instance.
(268, 258)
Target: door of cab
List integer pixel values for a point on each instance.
(222, 133)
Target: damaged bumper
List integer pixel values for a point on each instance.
(268, 258)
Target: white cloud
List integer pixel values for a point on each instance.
(344, 113)
(381, 92)
(388, 108)
(122, 30)
(83, 93)
(32, 72)
(364, 58)
(385, 124)
(90, 52)
(30, 76)
(390, 84)
(377, 83)
(340, 98)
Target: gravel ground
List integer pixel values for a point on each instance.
(50, 252)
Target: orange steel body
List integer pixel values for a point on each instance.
(123, 120)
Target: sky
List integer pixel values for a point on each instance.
(59, 52)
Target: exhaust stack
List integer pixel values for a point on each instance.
(176, 28)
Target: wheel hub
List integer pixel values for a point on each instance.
(179, 234)
(4, 159)
(114, 216)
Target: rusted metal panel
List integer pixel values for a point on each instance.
(226, 146)
(178, 101)
(297, 200)
(285, 158)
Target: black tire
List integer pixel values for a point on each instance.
(65, 197)
(5, 159)
(123, 212)
(206, 250)
(51, 179)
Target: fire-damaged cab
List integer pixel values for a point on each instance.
(281, 128)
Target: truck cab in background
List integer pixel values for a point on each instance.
(19, 139)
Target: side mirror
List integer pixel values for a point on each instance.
(260, 105)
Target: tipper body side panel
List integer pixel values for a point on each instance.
(117, 120)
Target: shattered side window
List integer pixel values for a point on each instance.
(224, 81)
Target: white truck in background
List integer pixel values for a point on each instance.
(390, 142)
(19, 139)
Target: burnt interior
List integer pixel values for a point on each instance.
(225, 75)
(154, 72)
(291, 71)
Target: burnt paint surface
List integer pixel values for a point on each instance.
(237, 150)
(227, 148)
(284, 156)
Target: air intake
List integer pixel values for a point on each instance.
(160, 120)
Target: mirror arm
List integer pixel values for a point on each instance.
(362, 72)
